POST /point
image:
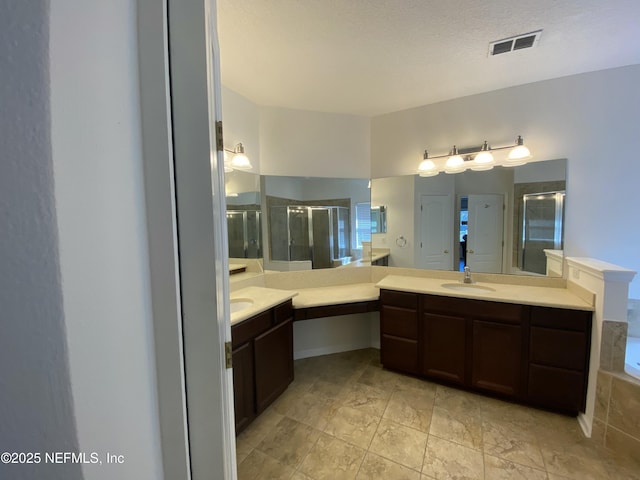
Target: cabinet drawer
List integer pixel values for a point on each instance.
(399, 322)
(399, 353)
(244, 331)
(556, 388)
(561, 318)
(558, 348)
(481, 309)
(399, 299)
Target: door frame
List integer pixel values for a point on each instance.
(188, 264)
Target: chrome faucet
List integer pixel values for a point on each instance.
(467, 275)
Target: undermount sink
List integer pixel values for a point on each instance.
(468, 287)
(238, 304)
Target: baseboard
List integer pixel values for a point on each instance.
(316, 352)
(586, 424)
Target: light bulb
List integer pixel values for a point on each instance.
(427, 169)
(518, 154)
(454, 164)
(483, 161)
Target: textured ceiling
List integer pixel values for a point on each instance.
(369, 57)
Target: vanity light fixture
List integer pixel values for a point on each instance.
(427, 168)
(455, 163)
(483, 160)
(239, 161)
(519, 154)
(475, 158)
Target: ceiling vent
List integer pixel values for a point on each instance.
(518, 42)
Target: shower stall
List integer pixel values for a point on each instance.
(542, 228)
(320, 234)
(245, 233)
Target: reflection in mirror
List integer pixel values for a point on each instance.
(378, 219)
(475, 219)
(314, 222)
(244, 216)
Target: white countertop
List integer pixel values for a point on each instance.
(335, 295)
(507, 293)
(262, 298)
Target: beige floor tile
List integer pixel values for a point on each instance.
(380, 378)
(353, 426)
(375, 467)
(445, 460)
(332, 459)
(312, 410)
(508, 413)
(411, 407)
(458, 401)
(400, 444)
(327, 389)
(366, 398)
(261, 426)
(500, 469)
(259, 466)
(507, 441)
(575, 462)
(300, 476)
(289, 442)
(243, 449)
(515, 441)
(457, 427)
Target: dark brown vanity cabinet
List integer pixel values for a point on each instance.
(536, 355)
(474, 343)
(262, 360)
(560, 342)
(399, 331)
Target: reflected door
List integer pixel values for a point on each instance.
(436, 232)
(321, 238)
(485, 237)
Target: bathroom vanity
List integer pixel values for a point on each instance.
(525, 352)
(262, 358)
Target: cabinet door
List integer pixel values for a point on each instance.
(273, 363)
(444, 347)
(497, 357)
(243, 390)
(399, 353)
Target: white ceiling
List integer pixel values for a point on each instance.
(369, 57)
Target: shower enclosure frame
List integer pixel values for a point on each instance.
(333, 214)
(558, 222)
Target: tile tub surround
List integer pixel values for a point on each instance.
(614, 345)
(370, 423)
(617, 413)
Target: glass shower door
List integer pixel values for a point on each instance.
(542, 228)
(299, 241)
(236, 228)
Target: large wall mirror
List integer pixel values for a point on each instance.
(498, 221)
(298, 223)
(244, 214)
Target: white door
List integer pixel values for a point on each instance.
(436, 232)
(485, 233)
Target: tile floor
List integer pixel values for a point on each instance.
(344, 417)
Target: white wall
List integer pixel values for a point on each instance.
(36, 407)
(101, 224)
(241, 124)
(314, 144)
(590, 119)
(397, 193)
